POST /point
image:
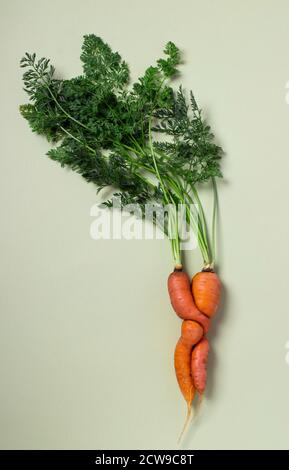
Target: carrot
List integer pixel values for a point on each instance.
(191, 334)
(199, 365)
(182, 299)
(206, 289)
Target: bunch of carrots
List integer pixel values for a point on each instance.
(107, 132)
(195, 303)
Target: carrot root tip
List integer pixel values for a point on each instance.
(187, 422)
(200, 401)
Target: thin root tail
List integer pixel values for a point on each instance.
(187, 422)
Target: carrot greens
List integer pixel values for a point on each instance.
(146, 139)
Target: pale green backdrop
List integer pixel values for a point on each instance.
(87, 331)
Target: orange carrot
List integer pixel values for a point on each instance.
(199, 365)
(182, 299)
(206, 289)
(192, 332)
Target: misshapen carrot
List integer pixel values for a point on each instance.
(182, 299)
(206, 289)
(199, 365)
(191, 353)
(192, 332)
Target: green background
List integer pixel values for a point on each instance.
(87, 332)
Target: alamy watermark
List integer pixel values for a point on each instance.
(287, 94)
(287, 353)
(147, 222)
